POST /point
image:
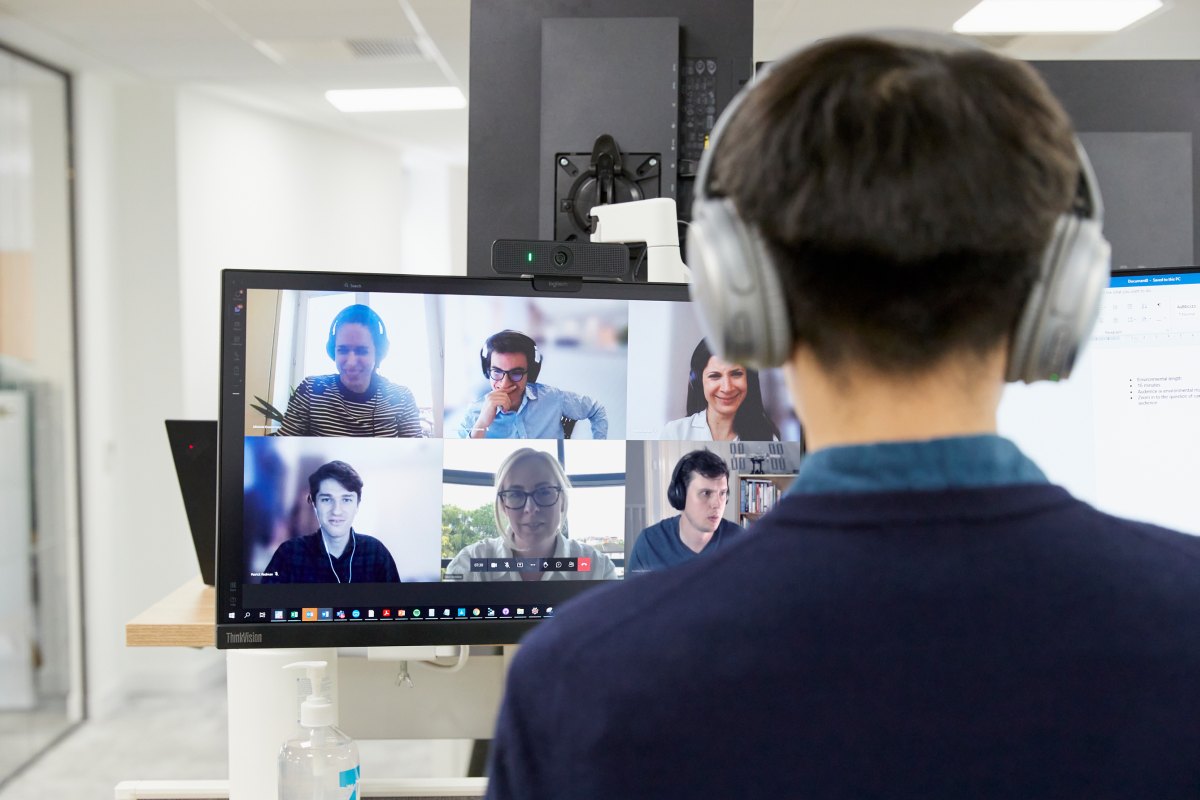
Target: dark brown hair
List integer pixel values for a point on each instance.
(905, 193)
(339, 471)
(750, 423)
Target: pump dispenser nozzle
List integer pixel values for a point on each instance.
(322, 762)
(317, 710)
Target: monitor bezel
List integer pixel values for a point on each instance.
(361, 633)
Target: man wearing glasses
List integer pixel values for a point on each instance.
(518, 407)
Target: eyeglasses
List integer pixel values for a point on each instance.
(543, 496)
(514, 375)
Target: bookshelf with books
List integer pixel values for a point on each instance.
(758, 493)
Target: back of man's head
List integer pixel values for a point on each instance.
(906, 193)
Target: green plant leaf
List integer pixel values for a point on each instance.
(267, 410)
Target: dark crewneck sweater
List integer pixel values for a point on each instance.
(989, 642)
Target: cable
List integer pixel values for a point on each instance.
(463, 651)
(641, 260)
(353, 548)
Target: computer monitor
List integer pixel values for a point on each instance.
(1123, 433)
(194, 450)
(354, 421)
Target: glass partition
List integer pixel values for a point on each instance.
(41, 671)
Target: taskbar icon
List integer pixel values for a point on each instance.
(454, 613)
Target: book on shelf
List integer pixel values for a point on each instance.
(758, 495)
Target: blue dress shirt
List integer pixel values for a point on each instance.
(539, 416)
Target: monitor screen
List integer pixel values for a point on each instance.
(423, 460)
(1123, 433)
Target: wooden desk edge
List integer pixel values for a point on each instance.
(184, 618)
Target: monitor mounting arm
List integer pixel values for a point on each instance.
(651, 221)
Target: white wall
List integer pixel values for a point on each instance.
(175, 186)
(263, 192)
(136, 548)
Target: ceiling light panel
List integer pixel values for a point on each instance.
(318, 19)
(1054, 16)
(422, 98)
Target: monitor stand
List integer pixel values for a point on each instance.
(441, 704)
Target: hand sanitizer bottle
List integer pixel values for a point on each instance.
(321, 763)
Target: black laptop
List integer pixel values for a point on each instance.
(194, 448)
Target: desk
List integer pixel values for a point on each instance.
(263, 707)
(184, 618)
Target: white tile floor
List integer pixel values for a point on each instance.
(183, 737)
(26, 733)
(158, 737)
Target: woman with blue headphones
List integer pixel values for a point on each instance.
(357, 400)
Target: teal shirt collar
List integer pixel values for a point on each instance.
(950, 463)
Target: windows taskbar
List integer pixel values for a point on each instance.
(416, 614)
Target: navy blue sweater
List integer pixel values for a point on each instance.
(990, 642)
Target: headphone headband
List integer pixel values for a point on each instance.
(739, 298)
(359, 314)
(529, 347)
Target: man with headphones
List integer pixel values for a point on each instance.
(357, 401)
(902, 221)
(518, 407)
(699, 490)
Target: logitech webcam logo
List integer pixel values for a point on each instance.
(243, 638)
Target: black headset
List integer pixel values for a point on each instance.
(745, 317)
(525, 344)
(677, 488)
(360, 315)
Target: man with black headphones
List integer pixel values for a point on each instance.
(699, 490)
(518, 407)
(902, 221)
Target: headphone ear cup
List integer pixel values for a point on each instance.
(676, 492)
(735, 287)
(385, 344)
(1061, 311)
(535, 368)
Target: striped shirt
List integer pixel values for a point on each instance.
(322, 406)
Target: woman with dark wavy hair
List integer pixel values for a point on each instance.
(724, 402)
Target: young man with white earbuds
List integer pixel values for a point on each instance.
(336, 552)
(902, 221)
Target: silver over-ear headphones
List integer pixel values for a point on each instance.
(735, 285)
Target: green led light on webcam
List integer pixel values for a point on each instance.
(529, 257)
